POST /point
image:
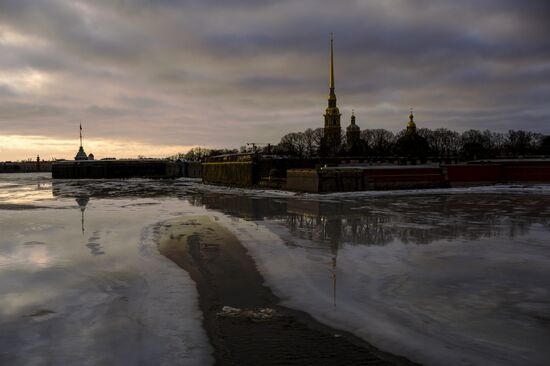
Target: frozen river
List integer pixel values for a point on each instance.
(442, 277)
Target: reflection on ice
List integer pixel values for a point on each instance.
(82, 201)
(443, 279)
(384, 219)
(24, 188)
(83, 283)
(453, 277)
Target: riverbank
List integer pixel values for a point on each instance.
(242, 318)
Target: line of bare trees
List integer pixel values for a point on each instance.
(381, 142)
(199, 153)
(442, 142)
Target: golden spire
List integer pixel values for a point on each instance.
(332, 95)
(331, 66)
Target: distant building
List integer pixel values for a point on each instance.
(411, 144)
(355, 146)
(81, 155)
(91, 157)
(332, 134)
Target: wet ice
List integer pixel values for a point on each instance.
(82, 283)
(442, 277)
(455, 279)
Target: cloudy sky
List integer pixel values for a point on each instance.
(155, 77)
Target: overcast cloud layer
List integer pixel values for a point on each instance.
(155, 77)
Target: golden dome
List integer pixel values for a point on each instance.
(411, 126)
(411, 121)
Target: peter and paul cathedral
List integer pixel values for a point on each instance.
(331, 142)
(411, 144)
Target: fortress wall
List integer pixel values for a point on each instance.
(528, 172)
(233, 173)
(115, 169)
(302, 180)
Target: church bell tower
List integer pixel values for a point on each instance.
(332, 132)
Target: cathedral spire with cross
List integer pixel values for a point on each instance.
(332, 131)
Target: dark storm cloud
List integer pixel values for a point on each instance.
(225, 72)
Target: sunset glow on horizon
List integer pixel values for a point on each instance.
(14, 148)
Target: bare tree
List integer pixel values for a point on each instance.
(381, 141)
(196, 154)
(310, 144)
(293, 144)
(522, 142)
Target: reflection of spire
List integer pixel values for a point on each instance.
(333, 232)
(82, 201)
(334, 257)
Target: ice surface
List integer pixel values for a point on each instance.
(526, 188)
(437, 293)
(450, 276)
(82, 282)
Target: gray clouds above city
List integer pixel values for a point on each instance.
(161, 76)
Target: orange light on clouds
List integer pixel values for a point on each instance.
(17, 147)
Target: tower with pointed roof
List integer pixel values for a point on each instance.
(353, 132)
(81, 155)
(411, 144)
(355, 146)
(330, 145)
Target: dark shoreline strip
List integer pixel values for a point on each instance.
(226, 275)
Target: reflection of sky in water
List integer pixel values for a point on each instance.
(457, 278)
(24, 188)
(81, 282)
